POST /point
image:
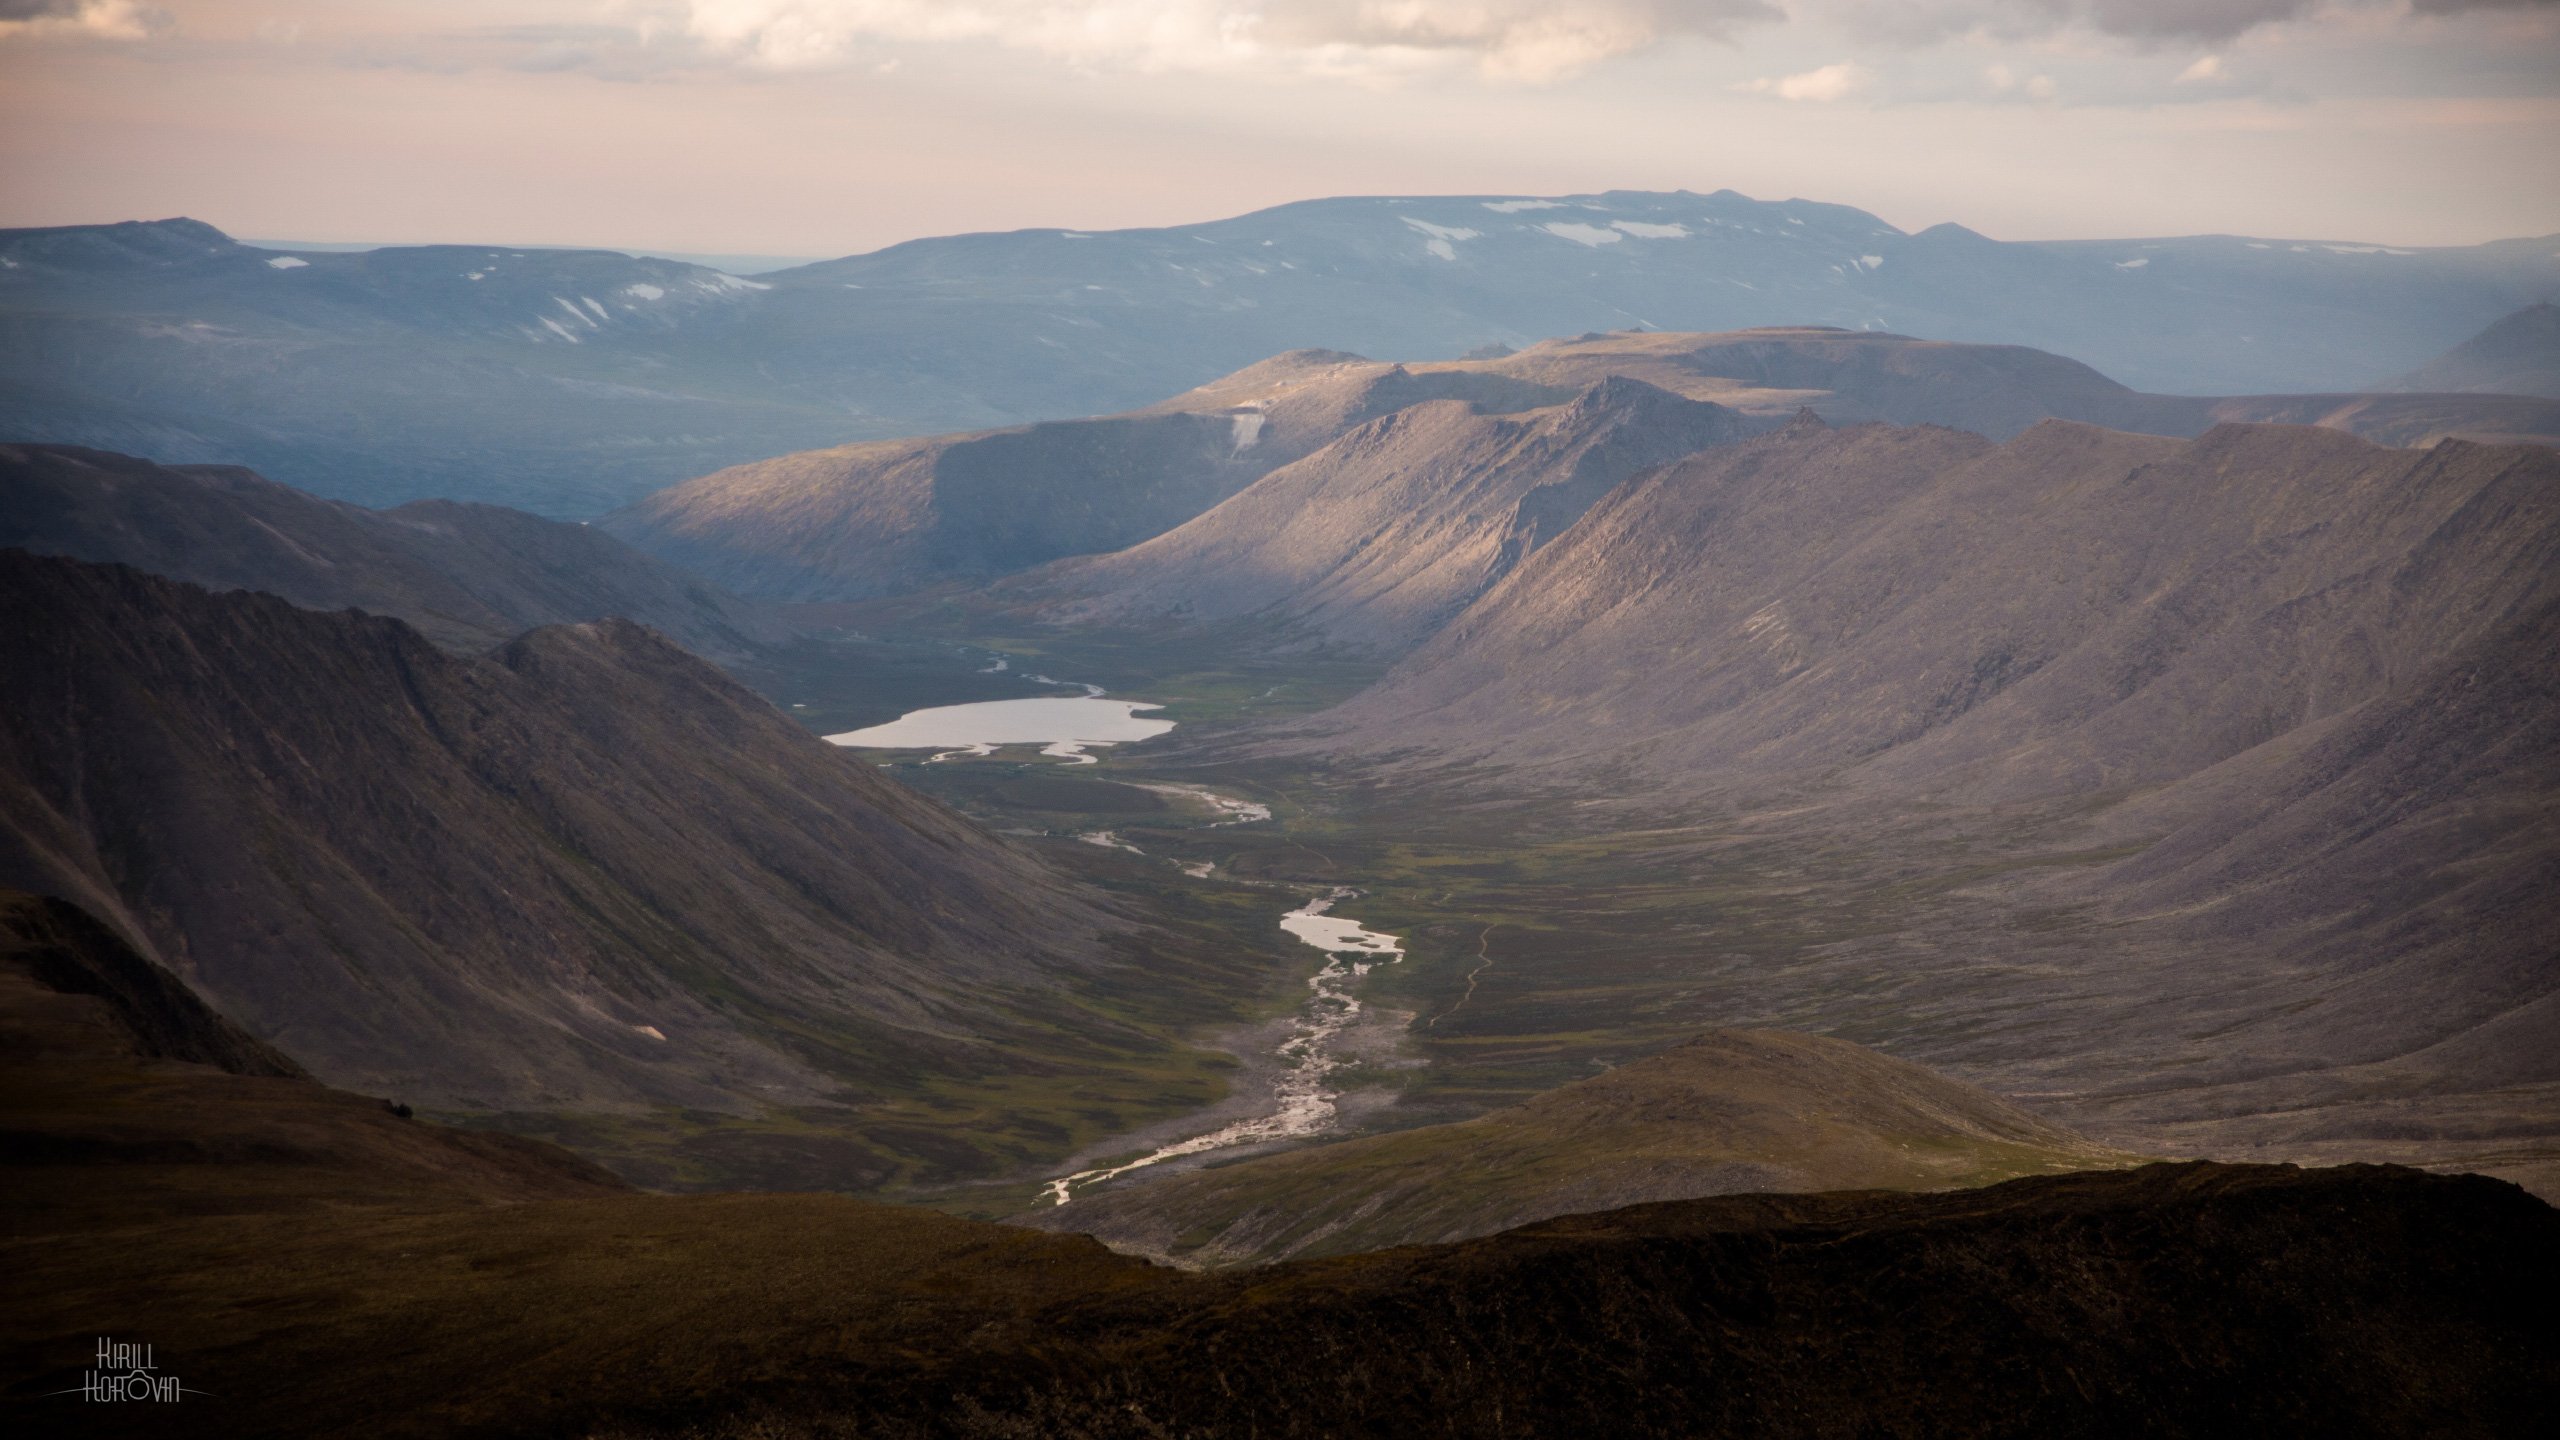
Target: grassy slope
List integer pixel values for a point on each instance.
(306, 1262)
(2170, 1300)
(1729, 1112)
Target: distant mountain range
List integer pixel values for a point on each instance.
(567, 382)
(1349, 476)
(903, 514)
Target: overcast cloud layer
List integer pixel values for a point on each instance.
(825, 126)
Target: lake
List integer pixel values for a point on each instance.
(1061, 726)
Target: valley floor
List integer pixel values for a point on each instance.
(1550, 936)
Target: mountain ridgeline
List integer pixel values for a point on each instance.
(570, 382)
(1278, 473)
(1841, 802)
(467, 576)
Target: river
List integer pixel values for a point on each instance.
(1302, 1103)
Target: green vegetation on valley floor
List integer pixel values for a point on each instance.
(1544, 944)
(1549, 937)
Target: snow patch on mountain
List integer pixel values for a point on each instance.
(1581, 234)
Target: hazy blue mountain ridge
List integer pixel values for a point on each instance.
(567, 382)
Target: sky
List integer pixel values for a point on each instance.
(829, 127)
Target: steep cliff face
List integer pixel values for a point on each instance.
(587, 871)
(468, 576)
(1374, 541)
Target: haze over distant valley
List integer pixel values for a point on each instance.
(1509, 792)
(568, 382)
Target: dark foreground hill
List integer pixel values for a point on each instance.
(1365, 526)
(311, 1262)
(468, 576)
(1732, 1112)
(585, 873)
(306, 1261)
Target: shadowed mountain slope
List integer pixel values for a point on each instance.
(468, 576)
(2519, 355)
(1737, 1111)
(878, 519)
(125, 1099)
(1377, 539)
(150, 1012)
(585, 872)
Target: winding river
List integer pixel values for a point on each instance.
(1302, 1102)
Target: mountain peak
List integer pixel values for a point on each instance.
(2517, 355)
(122, 244)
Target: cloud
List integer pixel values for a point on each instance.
(1916, 22)
(1534, 41)
(79, 19)
(2205, 71)
(2457, 7)
(1831, 82)
(2002, 83)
